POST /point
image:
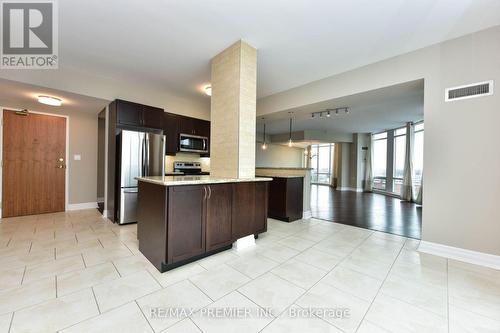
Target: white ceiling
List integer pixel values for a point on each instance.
(25, 96)
(170, 43)
(371, 111)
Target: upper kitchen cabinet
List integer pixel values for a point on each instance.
(203, 128)
(128, 113)
(188, 125)
(134, 114)
(171, 131)
(152, 117)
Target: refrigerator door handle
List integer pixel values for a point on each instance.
(146, 139)
(163, 150)
(144, 157)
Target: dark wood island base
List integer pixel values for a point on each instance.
(183, 223)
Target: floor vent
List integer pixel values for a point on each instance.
(469, 91)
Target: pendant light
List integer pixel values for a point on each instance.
(264, 145)
(290, 142)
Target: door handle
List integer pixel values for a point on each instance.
(204, 192)
(209, 191)
(61, 166)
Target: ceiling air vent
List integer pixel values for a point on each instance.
(469, 91)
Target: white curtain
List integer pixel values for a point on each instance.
(368, 186)
(407, 187)
(418, 200)
(336, 165)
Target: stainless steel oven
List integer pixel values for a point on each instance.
(193, 143)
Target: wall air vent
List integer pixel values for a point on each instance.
(469, 91)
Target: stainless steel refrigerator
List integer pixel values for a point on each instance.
(141, 154)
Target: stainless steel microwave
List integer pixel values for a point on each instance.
(193, 143)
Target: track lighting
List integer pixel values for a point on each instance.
(328, 112)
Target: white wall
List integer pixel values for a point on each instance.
(461, 137)
(279, 156)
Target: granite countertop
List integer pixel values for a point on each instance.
(280, 176)
(197, 180)
(283, 168)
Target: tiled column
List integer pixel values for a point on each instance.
(233, 115)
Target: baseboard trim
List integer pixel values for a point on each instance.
(307, 214)
(83, 205)
(469, 256)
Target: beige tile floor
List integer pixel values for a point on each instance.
(76, 272)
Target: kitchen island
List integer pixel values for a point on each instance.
(185, 218)
(285, 192)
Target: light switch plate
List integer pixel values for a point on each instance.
(77, 157)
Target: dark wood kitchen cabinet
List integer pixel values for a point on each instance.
(186, 227)
(128, 113)
(218, 216)
(202, 128)
(139, 115)
(249, 215)
(286, 198)
(171, 131)
(188, 125)
(180, 224)
(152, 117)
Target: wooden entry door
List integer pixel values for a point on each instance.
(34, 164)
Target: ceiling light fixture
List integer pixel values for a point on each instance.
(208, 90)
(328, 112)
(264, 145)
(49, 100)
(290, 142)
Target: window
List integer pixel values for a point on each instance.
(321, 163)
(418, 156)
(380, 160)
(398, 159)
(389, 152)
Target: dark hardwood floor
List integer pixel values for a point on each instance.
(367, 210)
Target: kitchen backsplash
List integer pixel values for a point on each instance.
(169, 161)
